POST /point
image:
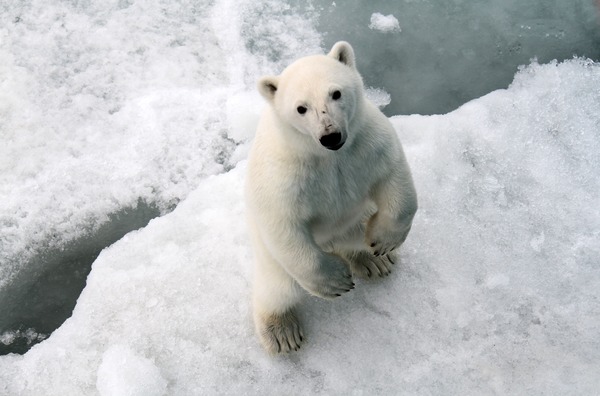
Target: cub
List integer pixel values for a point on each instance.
(329, 193)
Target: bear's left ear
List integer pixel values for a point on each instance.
(267, 86)
(343, 52)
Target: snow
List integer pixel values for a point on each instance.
(123, 373)
(384, 23)
(498, 287)
(497, 290)
(106, 107)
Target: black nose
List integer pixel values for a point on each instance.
(333, 141)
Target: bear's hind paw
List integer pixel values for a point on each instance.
(280, 333)
(365, 265)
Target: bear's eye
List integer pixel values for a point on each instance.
(301, 109)
(336, 95)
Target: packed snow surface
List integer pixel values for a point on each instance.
(498, 287)
(497, 290)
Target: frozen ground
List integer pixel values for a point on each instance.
(498, 289)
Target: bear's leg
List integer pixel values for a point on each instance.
(275, 295)
(364, 265)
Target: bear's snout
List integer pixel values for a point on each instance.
(332, 141)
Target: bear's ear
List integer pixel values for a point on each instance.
(267, 86)
(343, 52)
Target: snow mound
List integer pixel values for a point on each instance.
(496, 292)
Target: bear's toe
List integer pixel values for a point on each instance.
(365, 265)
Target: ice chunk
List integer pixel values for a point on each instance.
(378, 96)
(384, 23)
(123, 373)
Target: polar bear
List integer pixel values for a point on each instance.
(329, 193)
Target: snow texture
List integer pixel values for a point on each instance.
(498, 287)
(497, 290)
(384, 23)
(122, 373)
(102, 107)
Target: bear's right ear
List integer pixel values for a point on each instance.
(267, 86)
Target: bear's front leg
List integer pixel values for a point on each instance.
(396, 201)
(322, 274)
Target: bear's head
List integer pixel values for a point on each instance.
(318, 96)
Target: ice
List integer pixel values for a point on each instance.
(384, 23)
(473, 307)
(378, 97)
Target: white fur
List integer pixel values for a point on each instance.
(315, 212)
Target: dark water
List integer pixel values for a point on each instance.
(451, 51)
(42, 297)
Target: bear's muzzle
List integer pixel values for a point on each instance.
(332, 141)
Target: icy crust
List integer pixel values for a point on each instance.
(497, 291)
(102, 107)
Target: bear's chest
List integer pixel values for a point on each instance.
(335, 192)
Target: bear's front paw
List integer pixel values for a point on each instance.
(385, 234)
(331, 279)
(279, 333)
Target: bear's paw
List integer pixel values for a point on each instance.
(280, 333)
(331, 278)
(365, 265)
